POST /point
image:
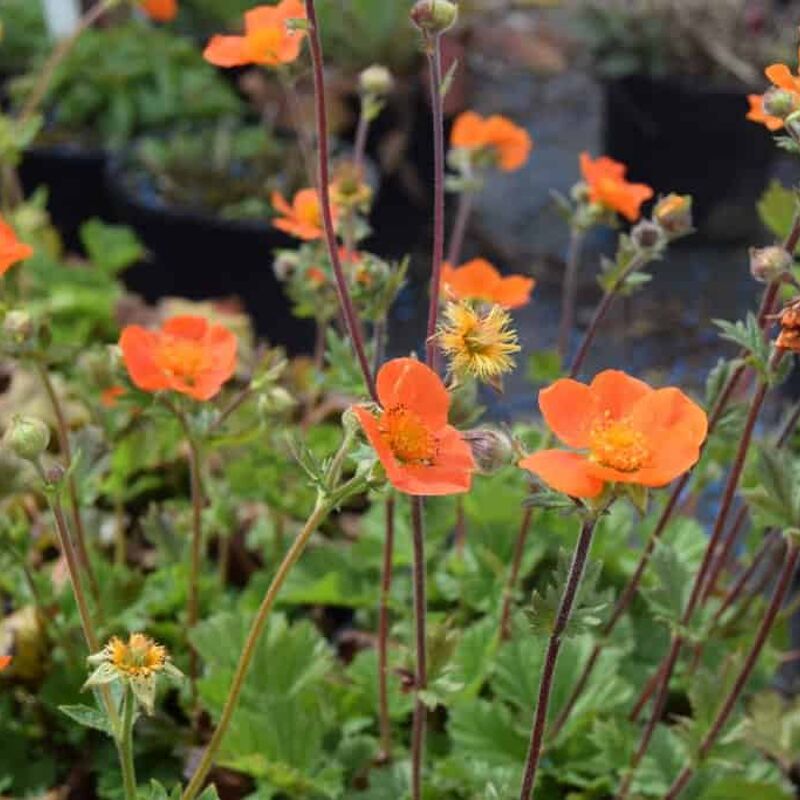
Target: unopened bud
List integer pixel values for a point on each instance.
(580, 192)
(277, 400)
(18, 326)
(647, 235)
(285, 264)
(97, 366)
(434, 16)
(674, 214)
(768, 264)
(376, 80)
(492, 449)
(779, 103)
(350, 422)
(54, 474)
(27, 437)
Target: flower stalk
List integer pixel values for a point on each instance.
(345, 301)
(732, 697)
(463, 213)
(126, 745)
(576, 571)
(569, 291)
(420, 631)
(385, 723)
(513, 575)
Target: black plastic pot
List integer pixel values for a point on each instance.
(201, 257)
(75, 181)
(693, 139)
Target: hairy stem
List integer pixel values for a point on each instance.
(732, 697)
(195, 784)
(126, 746)
(62, 429)
(569, 291)
(433, 47)
(421, 677)
(463, 212)
(385, 723)
(345, 301)
(576, 570)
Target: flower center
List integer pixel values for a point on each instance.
(139, 656)
(182, 358)
(310, 213)
(608, 186)
(263, 44)
(409, 439)
(616, 444)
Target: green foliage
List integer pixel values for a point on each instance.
(777, 209)
(773, 494)
(124, 80)
(23, 35)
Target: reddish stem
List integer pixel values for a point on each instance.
(576, 570)
(463, 212)
(434, 52)
(345, 301)
(764, 629)
(421, 678)
(385, 723)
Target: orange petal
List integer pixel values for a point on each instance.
(514, 291)
(262, 17)
(617, 392)
(569, 409)
(280, 205)
(186, 326)
(632, 198)
(407, 382)
(4, 662)
(227, 51)
(781, 76)
(138, 347)
(670, 412)
(563, 471)
(468, 130)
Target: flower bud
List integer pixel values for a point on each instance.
(350, 422)
(434, 16)
(779, 103)
(285, 264)
(647, 235)
(674, 214)
(18, 326)
(277, 400)
(376, 80)
(792, 124)
(27, 437)
(580, 192)
(768, 264)
(492, 449)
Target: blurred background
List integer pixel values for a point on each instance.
(140, 130)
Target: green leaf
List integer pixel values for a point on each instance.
(112, 248)
(544, 366)
(777, 208)
(88, 717)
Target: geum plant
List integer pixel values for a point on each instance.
(445, 708)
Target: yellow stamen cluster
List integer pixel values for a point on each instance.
(139, 656)
(618, 445)
(478, 343)
(408, 438)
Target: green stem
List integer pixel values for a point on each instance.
(125, 746)
(321, 510)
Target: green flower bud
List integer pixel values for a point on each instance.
(768, 264)
(434, 16)
(27, 437)
(18, 326)
(376, 80)
(779, 103)
(492, 449)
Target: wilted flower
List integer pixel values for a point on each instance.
(768, 264)
(647, 235)
(789, 336)
(434, 16)
(421, 453)
(137, 663)
(623, 431)
(268, 38)
(495, 139)
(608, 188)
(478, 343)
(674, 214)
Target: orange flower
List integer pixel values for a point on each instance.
(160, 10)
(12, 250)
(509, 144)
(4, 662)
(608, 187)
(781, 77)
(267, 38)
(303, 218)
(628, 432)
(189, 355)
(479, 280)
(316, 277)
(421, 453)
